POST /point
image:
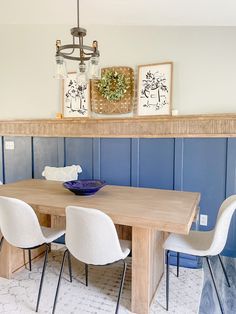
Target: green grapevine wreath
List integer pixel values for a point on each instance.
(113, 85)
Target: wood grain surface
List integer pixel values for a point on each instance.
(223, 125)
(164, 210)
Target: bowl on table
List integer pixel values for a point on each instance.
(84, 187)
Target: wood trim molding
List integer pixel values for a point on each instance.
(143, 127)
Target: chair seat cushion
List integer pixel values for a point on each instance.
(52, 234)
(196, 243)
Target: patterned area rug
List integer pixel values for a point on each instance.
(185, 292)
(19, 294)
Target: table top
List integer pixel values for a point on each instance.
(171, 211)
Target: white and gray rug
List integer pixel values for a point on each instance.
(19, 294)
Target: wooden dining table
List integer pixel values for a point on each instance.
(142, 215)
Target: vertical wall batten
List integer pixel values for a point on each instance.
(61, 152)
(2, 179)
(32, 156)
(97, 158)
(230, 248)
(135, 162)
(179, 164)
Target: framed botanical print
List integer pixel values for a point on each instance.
(76, 98)
(155, 89)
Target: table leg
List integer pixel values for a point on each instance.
(124, 232)
(58, 221)
(5, 261)
(13, 258)
(147, 267)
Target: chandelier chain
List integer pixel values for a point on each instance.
(78, 12)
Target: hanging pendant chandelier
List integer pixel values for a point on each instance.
(86, 56)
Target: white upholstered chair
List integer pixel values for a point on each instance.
(29, 251)
(203, 243)
(20, 227)
(63, 174)
(91, 238)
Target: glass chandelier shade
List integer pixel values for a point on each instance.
(94, 69)
(79, 52)
(82, 74)
(60, 68)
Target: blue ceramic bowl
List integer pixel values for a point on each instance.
(84, 187)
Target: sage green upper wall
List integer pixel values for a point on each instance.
(204, 64)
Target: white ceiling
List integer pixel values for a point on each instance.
(120, 12)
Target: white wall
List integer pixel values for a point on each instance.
(204, 65)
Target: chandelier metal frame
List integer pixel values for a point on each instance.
(85, 52)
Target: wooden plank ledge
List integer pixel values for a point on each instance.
(142, 127)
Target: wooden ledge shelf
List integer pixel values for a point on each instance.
(143, 127)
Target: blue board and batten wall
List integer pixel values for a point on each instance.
(207, 165)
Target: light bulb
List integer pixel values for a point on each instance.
(60, 68)
(94, 69)
(82, 78)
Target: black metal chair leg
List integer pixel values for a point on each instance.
(224, 270)
(42, 276)
(167, 280)
(214, 283)
(121, 286)
(69, 265)
(86, 274)
(177, 264)
(30, 263)
(59, 281)
(1, 243)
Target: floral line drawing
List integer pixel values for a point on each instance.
(155, 82)
(76, 97)
(154, 89)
